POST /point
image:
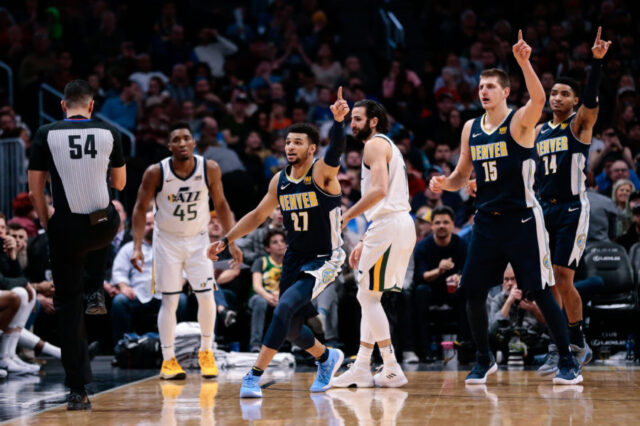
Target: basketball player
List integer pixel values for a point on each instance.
(309, 195)
(382, 255)
(180, 187)
(563, 148)
(509, 223)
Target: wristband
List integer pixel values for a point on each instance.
(225, 241)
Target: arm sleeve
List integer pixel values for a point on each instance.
(40, 153)
(336, 146)
(117, 154)
(590, 93)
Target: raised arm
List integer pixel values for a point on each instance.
(151, 181)
(526, 118)
(250, 221)
(460, 176)
(587, 115)
(326, 170)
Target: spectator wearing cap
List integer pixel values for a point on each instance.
(423, 222)
(622, 189)
(24, 214)
(632, 234)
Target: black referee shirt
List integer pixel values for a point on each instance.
(77, 152)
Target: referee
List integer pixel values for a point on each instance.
(77, 153)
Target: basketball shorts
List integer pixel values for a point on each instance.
(519, 238)
(568, 226)
(174, 254)
(387, 248)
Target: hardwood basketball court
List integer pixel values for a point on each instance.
(610, 395)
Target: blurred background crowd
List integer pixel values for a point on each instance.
(241, 72)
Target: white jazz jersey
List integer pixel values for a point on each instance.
(397, 198)
(182, 205)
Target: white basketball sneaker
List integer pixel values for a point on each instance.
(34, 368)
(355, 376)
(390, 377)
(12, 366)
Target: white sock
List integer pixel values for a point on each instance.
(167, 324)
(26, 307)
(206, 318)
(51, 350)
(13, 343)
(5, 345)
(28, 339)
(363, 359)
(388, 356)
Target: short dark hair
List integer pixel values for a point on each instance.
(180, 125)
(503, 77)
(575, 86)
(308, 129)
(270, 233)
(375, 109)
(443, 210)
(15, 226)
(77, 93)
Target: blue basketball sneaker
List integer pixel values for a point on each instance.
(482, 368)
(250, 386)
(583, 354)
(326, 370)
(568, 371)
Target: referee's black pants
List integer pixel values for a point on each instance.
(79, 253)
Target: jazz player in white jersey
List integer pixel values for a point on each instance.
(382, 256)
(181, 186)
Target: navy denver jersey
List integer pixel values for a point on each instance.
(312, 218)
(562, 160)
(505, 170)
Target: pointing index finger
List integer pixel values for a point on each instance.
(340, 92)
(519, 35)
(598, 35)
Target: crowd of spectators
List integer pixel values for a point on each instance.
(240, 75)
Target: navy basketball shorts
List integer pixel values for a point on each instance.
(568, 226)
(516, 237)
(295, 266)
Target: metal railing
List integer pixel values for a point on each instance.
(13, 170)
(9, 72)
(393, 31)
(127, 133)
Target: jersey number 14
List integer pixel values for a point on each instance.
(550, 164)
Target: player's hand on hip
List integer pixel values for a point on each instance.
(214, 249)
(137, 260)
(521, 50)
(340, 108)
(600, 47)
(436, 184)
(354, 257)
(236, 254)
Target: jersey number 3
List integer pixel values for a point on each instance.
(76, 147)
(300, 221)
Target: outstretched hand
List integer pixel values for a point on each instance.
(340, 108)
(521, 50)
(600, 47)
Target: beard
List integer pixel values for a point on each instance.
(299, 158)
(364, 133)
